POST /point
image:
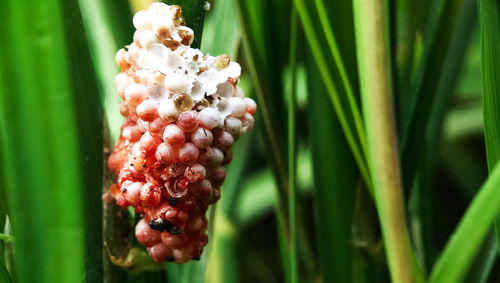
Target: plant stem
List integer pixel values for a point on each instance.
(381, 135)
(292, 214)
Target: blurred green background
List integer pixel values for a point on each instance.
(294, 207)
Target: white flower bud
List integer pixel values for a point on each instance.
(238, 106)
(147, 38)
(167, 110)
(142, 20)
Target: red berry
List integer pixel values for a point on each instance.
(202, 138)
(145, 235)
(188, 153)
(174, 135)
(147, 111)
(188, 121)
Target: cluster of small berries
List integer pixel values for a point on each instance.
(183, 113)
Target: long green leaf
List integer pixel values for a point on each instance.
(50, 135)
(109, 26)
(265, 62)
(357, 147)
(466, 240)
(335, 178)
(489, 19)
(421, 193)
(425, 84)
(292, 152)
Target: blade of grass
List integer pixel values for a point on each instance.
(90, 131)
(424, 85)
(490, 69)
(109, 26)
(332, 43)
(381, 136)
(221, 30)
(250, 18)
(270, 130)
(335, 178)
(42, 141)
(292, 156)
(466, 240)
(421, 208)
(332, 89)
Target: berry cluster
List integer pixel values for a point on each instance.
(183, 113)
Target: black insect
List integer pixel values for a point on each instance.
(161, 225)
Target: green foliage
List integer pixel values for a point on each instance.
(342, 87)
(51, 150)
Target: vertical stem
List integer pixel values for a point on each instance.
(291, 153)
(381, 135)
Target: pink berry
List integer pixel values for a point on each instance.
(238, 106)
(209, 118)
(218, 176)
(202, 138)
(188, 153)
(167, 153)
(214, 196)
(149, 142)
(122, 201)
(228, 157)
(133, 193)
(138, 157)
(145, 235)
(201, 189)
(195, 172)
(224, 140)
(150, 195)
(131, 133)
(175, 216)
(159, 252)
(251, 106)
(188, 121)
(247, 122)
(135, 94)
(122, 82)
(174, 135)
(157, 126)
(218, 157)
(206, 156)
(233, 126)
(147, 110)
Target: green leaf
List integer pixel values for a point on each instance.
(341, 98)
(51, 125)
(490, 70)
(421, 193)
(444, 16)
(466, 240)
(334, 187)
(109, 26)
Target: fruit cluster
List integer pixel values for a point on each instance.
(183, 113)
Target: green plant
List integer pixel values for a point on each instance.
(367, 164)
